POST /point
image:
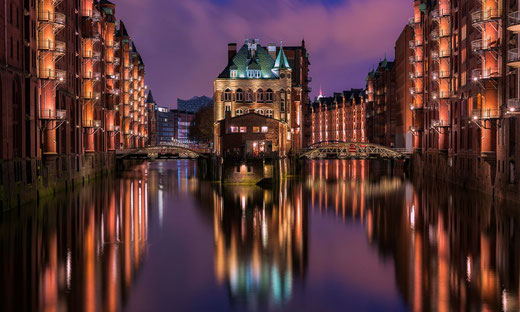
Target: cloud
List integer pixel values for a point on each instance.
(184, 42)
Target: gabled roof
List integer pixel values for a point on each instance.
(122, 29)
(243, 59)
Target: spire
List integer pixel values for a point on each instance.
(150, 99)
(281, 60)
(320, 95)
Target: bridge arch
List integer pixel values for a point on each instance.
(355, 150)
(171, 152)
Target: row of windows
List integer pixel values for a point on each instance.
(263, 129)
(250, 96)
(267, 112)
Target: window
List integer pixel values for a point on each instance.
(240, 95)
(269, 95)
(228, 108)
(234, 73)
(227, 95)
(254, 73)
(264, 129)
(269, 113)
(256, 129)
(239, 112)
(243, 129)
(233, 129)
(260, 111)
(260, 95)
(249, 96)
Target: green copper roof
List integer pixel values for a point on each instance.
(243, 61)
(281, 60)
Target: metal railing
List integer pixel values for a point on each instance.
(485, 113)
(513, 56)
(488, 73)
(91, 95)
(92, 124)
(53, 114)
(483, 45)
(480, 16)
(513, 105)
(439, 123)
(52, 46)
(56, 18)
(513, 19)
(91, 75)
(53, 74)
(91, 54)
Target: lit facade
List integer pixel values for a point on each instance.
(339, 118)
(465, 93)
(257, 81)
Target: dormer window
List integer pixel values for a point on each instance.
(234, 73)
(254, 73)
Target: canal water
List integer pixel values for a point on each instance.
(349, 235)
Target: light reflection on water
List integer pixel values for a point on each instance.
(349, 235)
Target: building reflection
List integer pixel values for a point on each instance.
(81, 250)
(452, 249)
(260, 243)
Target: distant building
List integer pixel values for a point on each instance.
(341, 117)
(165, 126)
(182, 122)
(152, 119)
(194, 104)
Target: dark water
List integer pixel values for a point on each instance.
(346, 237)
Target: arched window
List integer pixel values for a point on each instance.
(260, 111)
(249, 96)
(269, 113)
(227, 95)
(239, 112)
(269, 96)
(260, 95)
(240, 95)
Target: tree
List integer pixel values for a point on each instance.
(201, 128)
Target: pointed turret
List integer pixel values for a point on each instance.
(150, 99)
(281, 60)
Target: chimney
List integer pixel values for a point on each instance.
(271, 48)
(232, 51)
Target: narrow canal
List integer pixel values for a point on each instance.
(347, 236)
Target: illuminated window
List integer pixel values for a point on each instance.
(260, 95)
(243, 129)
(269, 95)
(256, 129)
(260, 111)
(269, 113)
(234, 73)
(240, 95)
(264, 129)
(233, 129)
(239, 112)
(227, 95)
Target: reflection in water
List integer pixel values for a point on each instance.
(422, 246)
(260, 243)
(80, 251)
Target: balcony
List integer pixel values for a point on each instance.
(481, 17)
(57, 20)
(443, 74)
(96, 124)
(439, 123)
(513, 22)
(481, 45)
(113, 91)
(91, 14)
(414, 107)
(414, 91)
(53, 114)
(488, 73)
(92, 96)
(479, 114)
(438, 34)
(92, 75)
(445, 94)
(513, 106)
(416, 75)
(436, 14)
(50, 74)
(415, 43)
(93, 55)
(415, 59)
(513, 58)
(444, 53)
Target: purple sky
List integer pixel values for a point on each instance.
(184, 42)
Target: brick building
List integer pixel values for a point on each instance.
(465, 106)
(65, 69)
(341, 117)
(261, 80)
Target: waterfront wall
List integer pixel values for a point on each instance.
(474, 173)
(25, 181)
